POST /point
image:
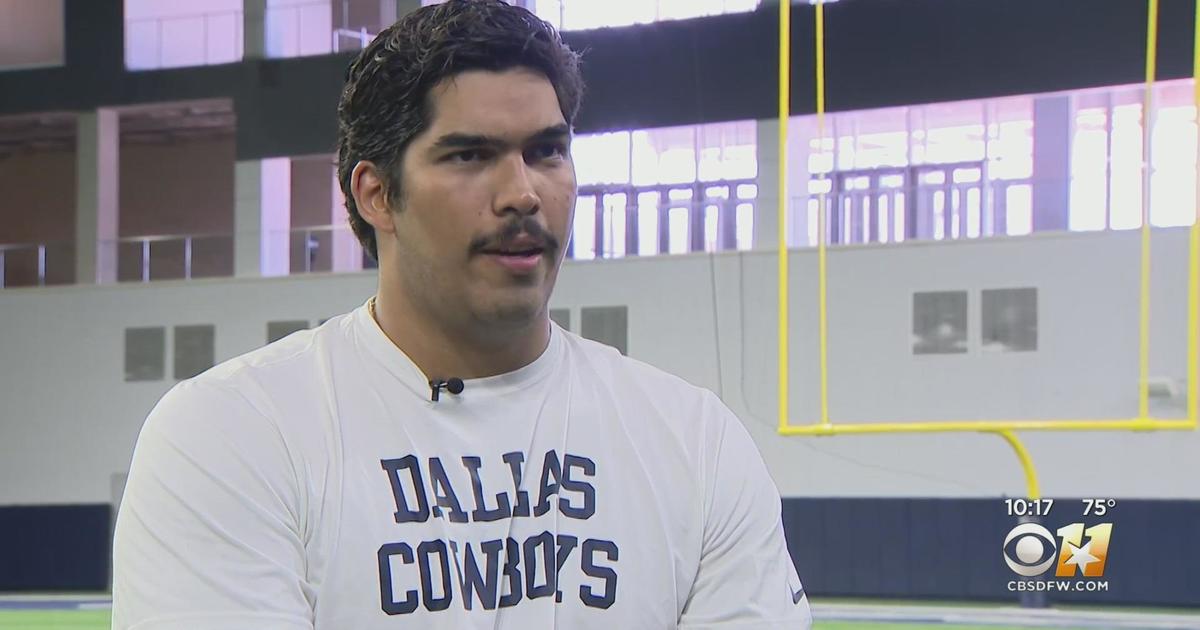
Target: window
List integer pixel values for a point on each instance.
(1125, 181)
(193, 350)
(145, 354)
(162, 34)
(602, 158)
(606, 324)
(571, 15)
(562, 317)
(175, 34)
(1009, 320)
(1173, 156)
(647, 212)
(941, 171)
(32, 32)
(280, 329)
(298, 28)
(667, 190)
(1089, 207)
(940, 322)
(583, 232)
(1107, 156)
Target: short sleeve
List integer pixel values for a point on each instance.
(208, 532)
(746, 579)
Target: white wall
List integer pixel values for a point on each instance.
(68, 421)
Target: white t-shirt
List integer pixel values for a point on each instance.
(314, 484)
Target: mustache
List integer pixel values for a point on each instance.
(512, 230)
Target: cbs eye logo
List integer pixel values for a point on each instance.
(1030, 549)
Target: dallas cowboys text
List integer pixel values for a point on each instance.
(502, 571)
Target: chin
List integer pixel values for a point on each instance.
(510, 313)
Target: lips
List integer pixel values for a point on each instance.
(531, 251)
(519, 251)
(518, 262)
(521, 245)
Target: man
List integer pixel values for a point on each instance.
(444, 456)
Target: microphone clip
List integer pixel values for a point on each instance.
(454, 385)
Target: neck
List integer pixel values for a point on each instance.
(442, 350)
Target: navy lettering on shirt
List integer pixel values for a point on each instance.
(512, 574)
(514, 461)
(472, 580)
(608, 593)
(481, 513)
(425, 562)
(443, 493)
(497, 573)
(551, 473)
(399, 470)
(584, 467)
(411, 597)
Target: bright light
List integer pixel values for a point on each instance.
(647, 216)
(745, 225)
(587, 14)
(584, 231)
(678, 234)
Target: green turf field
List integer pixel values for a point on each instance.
(98, 620)
(48, 619)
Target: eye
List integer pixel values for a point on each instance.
(470, 155)
(547, 151)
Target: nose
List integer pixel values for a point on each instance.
(514, 190)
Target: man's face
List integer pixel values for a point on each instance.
(487, 198)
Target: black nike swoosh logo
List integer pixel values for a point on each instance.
(798, 595)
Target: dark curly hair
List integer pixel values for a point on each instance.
(385, 102)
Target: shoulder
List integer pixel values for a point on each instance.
(282, 368)
(608, 365)
(249, 388)
(297, 351)
(659, 407)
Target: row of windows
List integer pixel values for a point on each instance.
(645, 221)
(1008, 321)
(571, 15)
(168, 34)
(194, 345)
(1008, 324)
(943, 171)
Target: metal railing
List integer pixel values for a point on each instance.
(37, 264)
(616, 220)
(359, 39)
(174, 257)
(926, 202)
(312, 250)
(39, 251)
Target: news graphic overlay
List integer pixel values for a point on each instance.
(1076, 550)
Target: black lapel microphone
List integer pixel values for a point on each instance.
(454, 385)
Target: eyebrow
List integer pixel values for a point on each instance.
(468, 140)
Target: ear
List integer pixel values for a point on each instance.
(369, 188)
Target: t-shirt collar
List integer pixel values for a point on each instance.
(380, 347)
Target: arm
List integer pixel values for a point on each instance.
(208, 534)
(746, 580)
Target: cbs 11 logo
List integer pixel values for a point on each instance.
(1029, 549)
